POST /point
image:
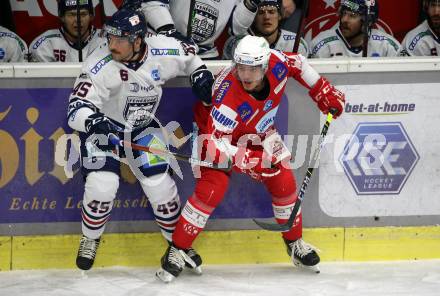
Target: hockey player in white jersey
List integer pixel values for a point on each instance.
(61, 45)
(424, 40)
(346, 37)
(12, 47)
(205, 20)
(267, 25)
(119, 89)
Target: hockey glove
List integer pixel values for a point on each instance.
(257, 164)
(201, 82)
(188, 44)
(327, 97)
(99, 124)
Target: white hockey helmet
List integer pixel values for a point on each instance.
(252, 51)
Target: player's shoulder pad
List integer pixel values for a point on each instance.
(379, 35)
(160, 45)
(323, 39)
(99, 59)
(5, 33)
(414, 36)
(46, 37)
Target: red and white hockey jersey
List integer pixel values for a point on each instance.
(236, 113)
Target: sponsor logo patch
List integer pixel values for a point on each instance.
(245, 111)
(101, 64)
(280, 71)
(223, 89)
(222, 119)
(165, 51)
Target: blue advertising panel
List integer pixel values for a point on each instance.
(34, 188)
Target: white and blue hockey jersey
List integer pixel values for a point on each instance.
(421, 41)
(285, 42)
(52, 46)
(207, 19)
(331, 43)
(12, 47)
(128, 94)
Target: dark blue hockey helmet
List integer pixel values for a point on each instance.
(65, 5)
(127, 23)
(360, 7)
(276, 3)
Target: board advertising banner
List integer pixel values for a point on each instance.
(382, 157)
(34, 186)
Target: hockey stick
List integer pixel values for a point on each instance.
(366, 29)
(288, 225)
(166, 153)
(302, 23)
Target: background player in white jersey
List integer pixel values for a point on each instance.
(346, 37)
(119, 89)
(424, 40)
(267, 25)
(12, 47)
(61, 45)
(241, 127)
(205, 20)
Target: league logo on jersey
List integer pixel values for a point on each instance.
(379, 158)
(204, 21)
(138, 110)
(222, 90)
(280, 71)
(155, 75)
(267, 105)
(245, 111)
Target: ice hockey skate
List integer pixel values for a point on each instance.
(87, 252)
(175, 260)
(193, 261)
(172, 264)
(303, 254)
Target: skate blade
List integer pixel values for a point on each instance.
(313, 269)
(164, 276)
(196, 270)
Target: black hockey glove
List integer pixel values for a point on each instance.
(99, 124)
(188, 44)
(201, 82)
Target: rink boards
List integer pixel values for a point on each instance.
(225, 247)
(355, 208)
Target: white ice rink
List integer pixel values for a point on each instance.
(415, 278)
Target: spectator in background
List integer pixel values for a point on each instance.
(346, 37)
(202, 20)
(424, 40)
(61, 45)
(267, 25)
(12, 47)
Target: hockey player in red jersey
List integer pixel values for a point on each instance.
(240, 126)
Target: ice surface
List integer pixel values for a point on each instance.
(415, 278)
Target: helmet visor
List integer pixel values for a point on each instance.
(248, 73)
